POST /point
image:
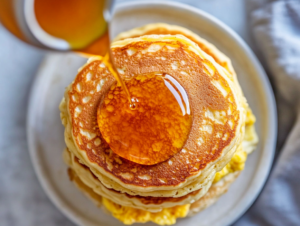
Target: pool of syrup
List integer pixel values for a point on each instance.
(151, 129)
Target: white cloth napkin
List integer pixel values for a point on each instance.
(276, 31)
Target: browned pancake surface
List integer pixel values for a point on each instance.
(85, 96)
(174, 31)
(147, 200)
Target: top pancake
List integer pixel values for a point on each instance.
(167, 29)
(215, 102)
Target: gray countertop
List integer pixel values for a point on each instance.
(22, 200)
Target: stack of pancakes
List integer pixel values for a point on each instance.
(221, 137)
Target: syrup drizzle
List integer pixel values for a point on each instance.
(110, 64)
(146, 119)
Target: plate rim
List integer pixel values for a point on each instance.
(270, 100)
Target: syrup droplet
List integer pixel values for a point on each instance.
(133, 104)
(156, 124)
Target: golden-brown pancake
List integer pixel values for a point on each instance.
(213, 194)
(167, 29)
(152, 204)
(218, 113)
(141, 198)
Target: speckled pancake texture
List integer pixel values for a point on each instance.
(217, 109)
(222, 132)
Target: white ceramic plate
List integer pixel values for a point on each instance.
(45, 132)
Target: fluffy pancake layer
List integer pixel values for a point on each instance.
(167, 216)
(151, 204)
(202, 171)
(166, 29)
(218, 115)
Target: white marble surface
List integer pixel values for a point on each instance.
(22, 200)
